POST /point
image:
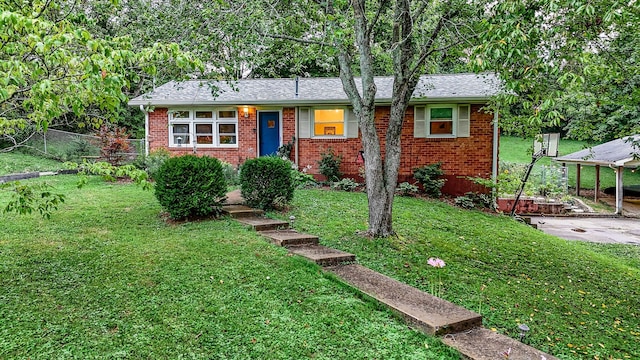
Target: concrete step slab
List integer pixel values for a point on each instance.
(423, 311)
(288, 238)
(239, 211)
(262, 223)
(323, 255)
(484, 344)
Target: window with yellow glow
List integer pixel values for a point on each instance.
(328, 122)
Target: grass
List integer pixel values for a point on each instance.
(580, 300)
(106, 277)
(518, 150)
(16, 162)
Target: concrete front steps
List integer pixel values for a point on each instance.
(461, 329)
(484, 344)
(428, 313)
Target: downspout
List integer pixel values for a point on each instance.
(146, 130)
(496, 147)
(295, 133)
(295, 127)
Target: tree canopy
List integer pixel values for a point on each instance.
(54, 71)
(568, 65)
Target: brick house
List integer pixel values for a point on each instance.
(445, 123)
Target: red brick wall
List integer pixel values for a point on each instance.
(460, 157)
(247, 138)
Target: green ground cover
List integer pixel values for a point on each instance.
(17, 162)
(518, 150)
(107, 277)
(580, 300)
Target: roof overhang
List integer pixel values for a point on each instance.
(627, 163)
(302, 102)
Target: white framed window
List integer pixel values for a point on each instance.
(442, 121)
(328, 122)
(203, 128)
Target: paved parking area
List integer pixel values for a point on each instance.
(593, 229)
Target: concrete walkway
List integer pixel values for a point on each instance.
(609, 230)
(461, 328)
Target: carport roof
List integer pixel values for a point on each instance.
(623, 152)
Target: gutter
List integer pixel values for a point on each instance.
(302, 102)
(295, 132)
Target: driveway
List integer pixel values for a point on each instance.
(593, 229)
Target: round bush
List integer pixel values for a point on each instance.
(266, 182)
(190, 186)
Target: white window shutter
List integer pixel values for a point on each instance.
(419, 122)
(304, 123)
(352, 124)
(464, 121)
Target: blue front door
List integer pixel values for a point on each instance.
(269, 132)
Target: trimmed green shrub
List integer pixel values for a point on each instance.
(329, 165)
(191, 187)
(429, 178)
(266, 182)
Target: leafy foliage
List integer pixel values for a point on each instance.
(407, 189)
(190, 186)
(115, 146)
(302, 179)
(109, 172)
(266, 182)
(472, 200)
(55, 72)
(567, 64)
(285, 150)
(151, 163)
(329, 165)
(346, 184)
(231, 174)
(429, 176)
(29, 197)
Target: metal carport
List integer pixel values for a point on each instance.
(616, 154)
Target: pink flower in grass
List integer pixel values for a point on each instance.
(436, 262)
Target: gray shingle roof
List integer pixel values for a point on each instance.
(619, 152)
(431, 88)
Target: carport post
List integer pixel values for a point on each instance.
(597, 184)
(619, 190)
(578, 179)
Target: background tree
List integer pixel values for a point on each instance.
(568, 65)
(371, 38)
(55, 72)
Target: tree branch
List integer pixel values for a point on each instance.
(374, 21)
(292, 38)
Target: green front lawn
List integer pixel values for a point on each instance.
(107, 277)
(17, 162)
(581, 301)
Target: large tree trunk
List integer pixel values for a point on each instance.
(382, 172)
